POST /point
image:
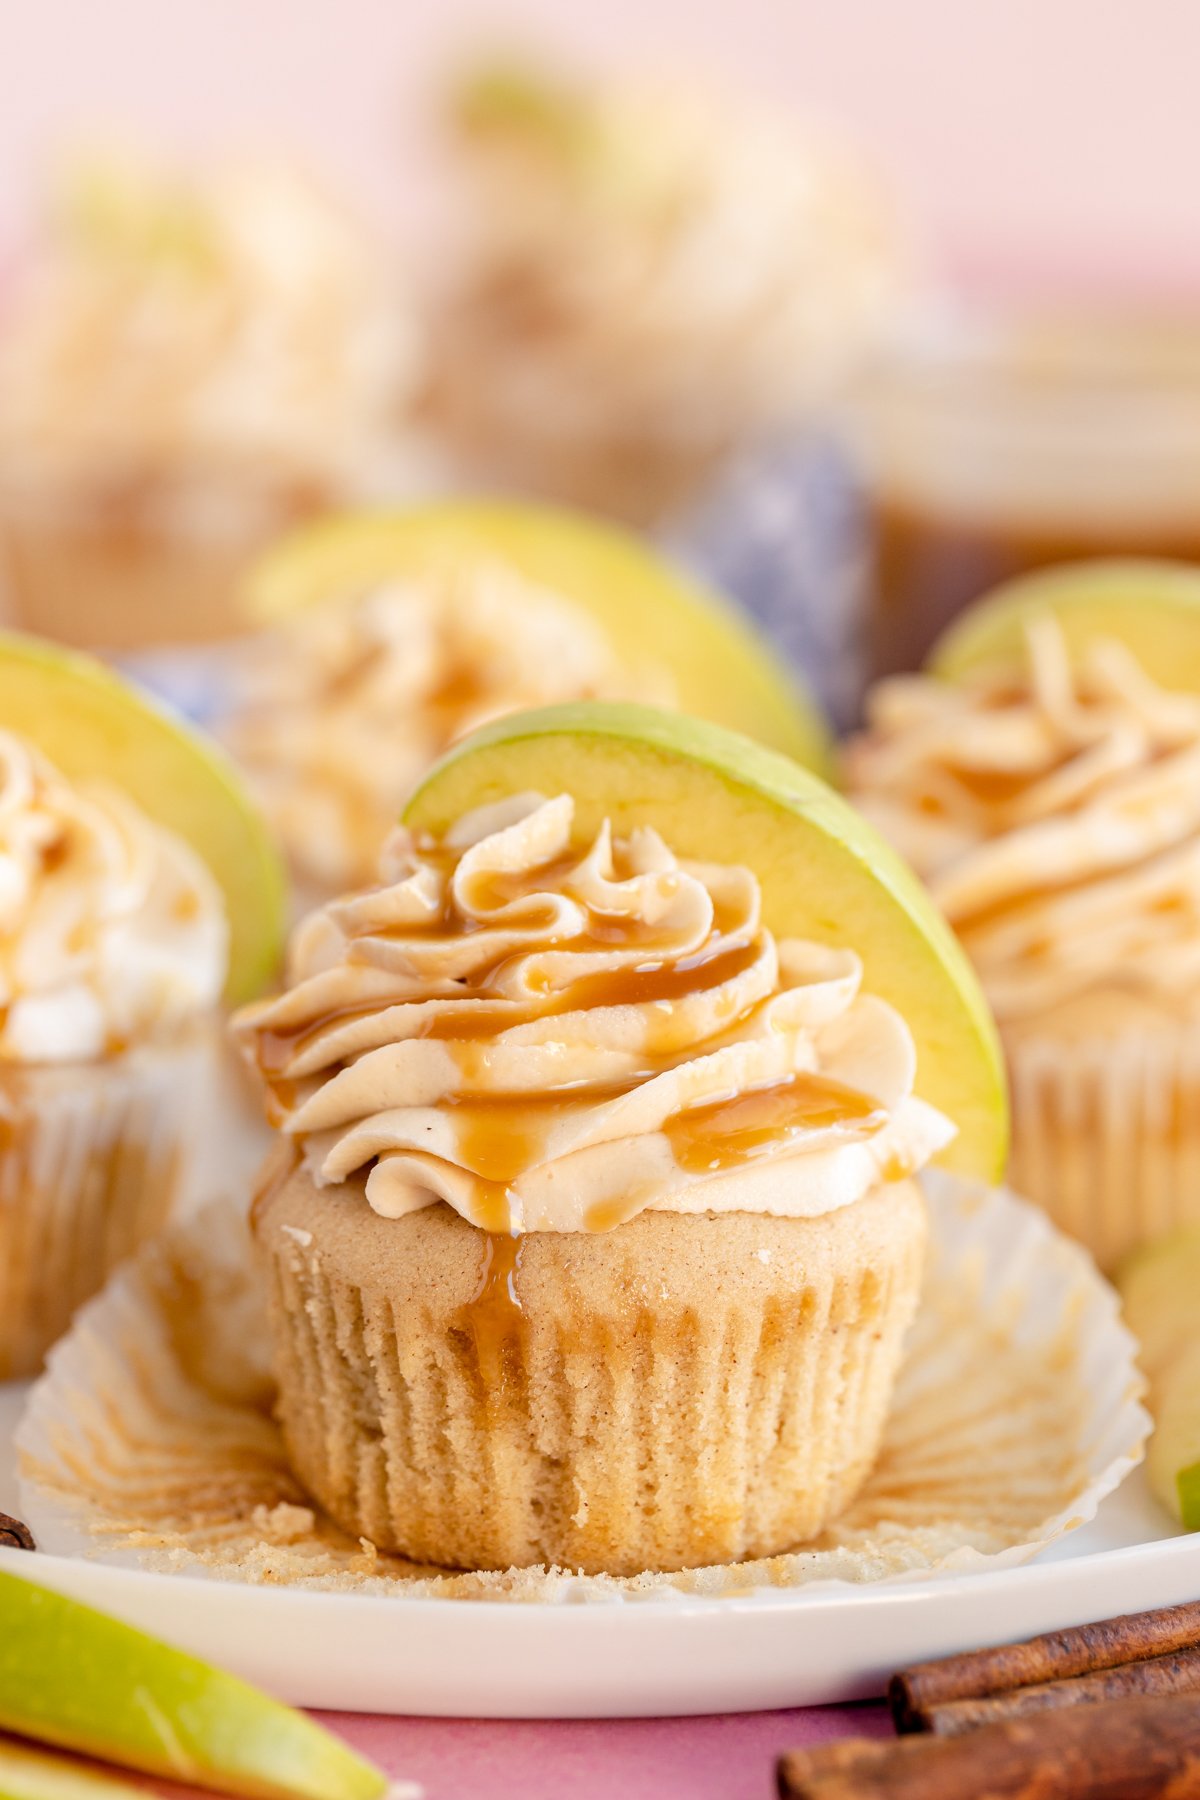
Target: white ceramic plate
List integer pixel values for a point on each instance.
(676, 1655)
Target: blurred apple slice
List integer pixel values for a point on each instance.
(1151, 607)
(29, 1774)
(826, 874)
(1159, 1287)
(77, 1679)
(654, 616)
(93, 725)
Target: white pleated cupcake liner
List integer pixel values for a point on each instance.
(93, 1160)
(150, 1441)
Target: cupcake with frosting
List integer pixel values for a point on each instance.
(645, 282)
(1052, 803)
(591, 1238)
(341, 710)
(185, 367)
(115, 954)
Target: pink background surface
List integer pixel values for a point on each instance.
(1056, 137)
(723, 1758)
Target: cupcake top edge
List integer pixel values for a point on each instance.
(551, 1034)
(1052, 804)
(338, 711)
(113, 931)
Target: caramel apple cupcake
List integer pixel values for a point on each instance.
(397, 634)
(645, 281)
(1044, 777)
(186, 367)
(593, 1237)
(123, 846)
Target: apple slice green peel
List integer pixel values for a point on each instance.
(75, 1678)
(825, 873)
(29, 1774)
(1158, 1287)
(1151, 607)
(653, 616)
(92, 725)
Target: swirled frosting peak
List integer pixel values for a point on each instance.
(1055, 813)
(342, 711)
(553, 1037)
(112, 930)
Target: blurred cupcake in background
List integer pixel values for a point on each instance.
(137, 889)
(646, 281)
(186, 366)
(388, 635)
(1044, 778)
(340, 712)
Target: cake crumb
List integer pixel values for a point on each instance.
(297, 1234)
(764, 1255)
(285, 1523)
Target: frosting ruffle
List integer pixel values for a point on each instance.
(113, 930)
(340, 713)
(551, 1038)
(1055, 816)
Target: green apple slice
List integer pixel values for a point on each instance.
(1173, 1458)
(654, 616)
(91, 724)
(1158, 1287)
(28, 1774)
(75, 1678)
(825, 873)
(1152, 607)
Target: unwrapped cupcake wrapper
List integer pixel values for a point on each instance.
(1107, 1132)
(91, 1161)
(152, 1443)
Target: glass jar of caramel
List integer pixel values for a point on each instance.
(989, 447)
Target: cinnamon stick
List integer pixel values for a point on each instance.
(1135, 1749)
(1178, 1673)
(15, 1534)
(1056, 1656)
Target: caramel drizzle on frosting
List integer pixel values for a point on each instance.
(553, 1036)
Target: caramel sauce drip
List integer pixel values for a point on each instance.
(496, 1316)
(498, 1139)
(13, 1101)
(606, 1215)
(278, 1169)
(996, 787)
(730, 1133)
(651, 983)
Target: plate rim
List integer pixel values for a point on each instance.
(838, 1594)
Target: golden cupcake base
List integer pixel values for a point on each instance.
(153, 1438)
(677, 1392)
